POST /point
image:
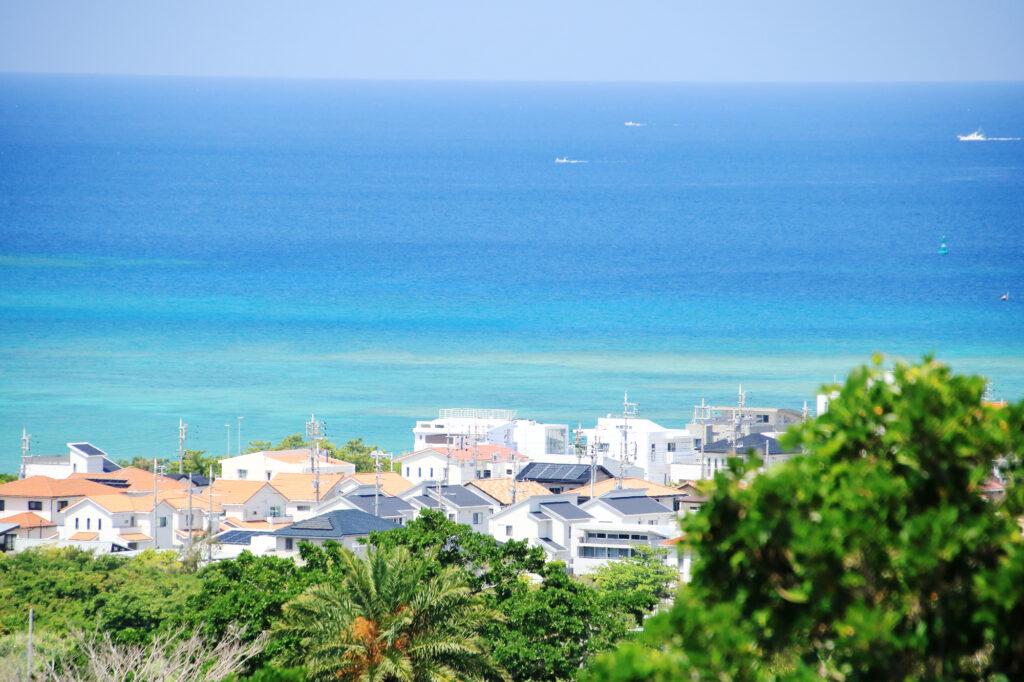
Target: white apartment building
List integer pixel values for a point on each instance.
(465, 427)
(83, 458)
(639, 443)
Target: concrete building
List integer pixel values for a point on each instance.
(465, 427)
(81, 458)
(264, 465)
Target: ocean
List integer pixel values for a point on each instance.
(371, 252)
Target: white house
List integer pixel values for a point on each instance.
(46, 497)
(119, 521)
(465, 427)
(458, 466)
(264, 465)
(81, 458)
(460, 504)
(640, 443)
(250, 501)
(305, 494)
(585, 536)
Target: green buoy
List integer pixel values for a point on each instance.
(942, 247)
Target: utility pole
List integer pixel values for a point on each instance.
(191, 523)
(314, 430)
(209, 519)
(31, 623)
(377, 454)
(182, 435)
(227, 450)
(628, 410)
(240, 435)
(156, 472)
(578, 443)
(26, 444)
(593, 463)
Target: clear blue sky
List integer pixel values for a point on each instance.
(577, 40)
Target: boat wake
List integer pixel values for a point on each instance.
(565, 159)
(634, 124)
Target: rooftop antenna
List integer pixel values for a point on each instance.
(806, 412)
(26, 445)
(314, 430)
(628, 410)
(182, 435)
(593, 463)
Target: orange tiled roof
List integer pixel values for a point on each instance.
(601, 487)
(122, 502)
(138, 479)
(484, 452)
(300, 486)
(228, 491)
(134, 537)
(28, 520)
(499, 489)
(179, 500)
(391, 482)
(672, 541)
(84, 536)
(44, 486)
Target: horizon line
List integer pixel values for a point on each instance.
(511, 81)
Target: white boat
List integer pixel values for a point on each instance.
(561, 159)
(634, 124)
(976, 136)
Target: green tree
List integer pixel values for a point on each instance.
(7, 478)
(193, 462)
(637, 583)
(553, 628)
(872, 557)
(391, 618)
(355, 452)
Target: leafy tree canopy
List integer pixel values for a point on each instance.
(639, 582)
(873, 557)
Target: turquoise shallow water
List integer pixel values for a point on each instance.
(375, 251)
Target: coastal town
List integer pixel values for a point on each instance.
(584, 495)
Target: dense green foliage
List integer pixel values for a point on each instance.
(551, 628)
(192, 462)
(872, 557)
(639, 582)
(70, 589)
(390, 617)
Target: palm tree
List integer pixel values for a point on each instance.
(391, 618)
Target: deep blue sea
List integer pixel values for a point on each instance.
(374, 251)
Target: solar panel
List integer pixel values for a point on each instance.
(88, 448)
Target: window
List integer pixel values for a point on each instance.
(242, 474)
(88, 521)
(476, 517)
(2, 505)
(76, 523)
(451, 517)
(671, 447)
(762, 419)
(99, 524)
(556, 491)
(303, 507)
(275, 511)
(35, 505)
(132, 522)
(431, 472)
(419, 472)
(163, 521)
(556, 441)
(408, 472)
(288, 544)
(61, 504)
(508, 531)
(268, 475)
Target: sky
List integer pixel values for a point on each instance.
(532, 40)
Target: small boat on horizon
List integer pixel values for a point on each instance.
(976, 136)
(1005, 297)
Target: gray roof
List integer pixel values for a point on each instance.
(548, 543)
(755, 441)
(7, 527)
(641, 504)
(337, 524)
(88, 449)
(455, 495)
(575, 474)
(389, 507)
(109, 466)
(566, 510)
